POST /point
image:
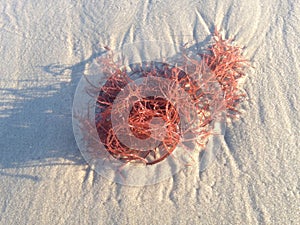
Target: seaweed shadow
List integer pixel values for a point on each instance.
(36, 121)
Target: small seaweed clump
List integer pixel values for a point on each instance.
(228, 66)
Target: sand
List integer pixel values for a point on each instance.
(45, 47)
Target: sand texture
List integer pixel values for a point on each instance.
(45, 47)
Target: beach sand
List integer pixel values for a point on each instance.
(45, 47)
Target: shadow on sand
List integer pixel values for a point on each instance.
(36, 124)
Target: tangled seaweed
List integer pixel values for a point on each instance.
(211, 83)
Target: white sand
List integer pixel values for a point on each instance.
(45, 46)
